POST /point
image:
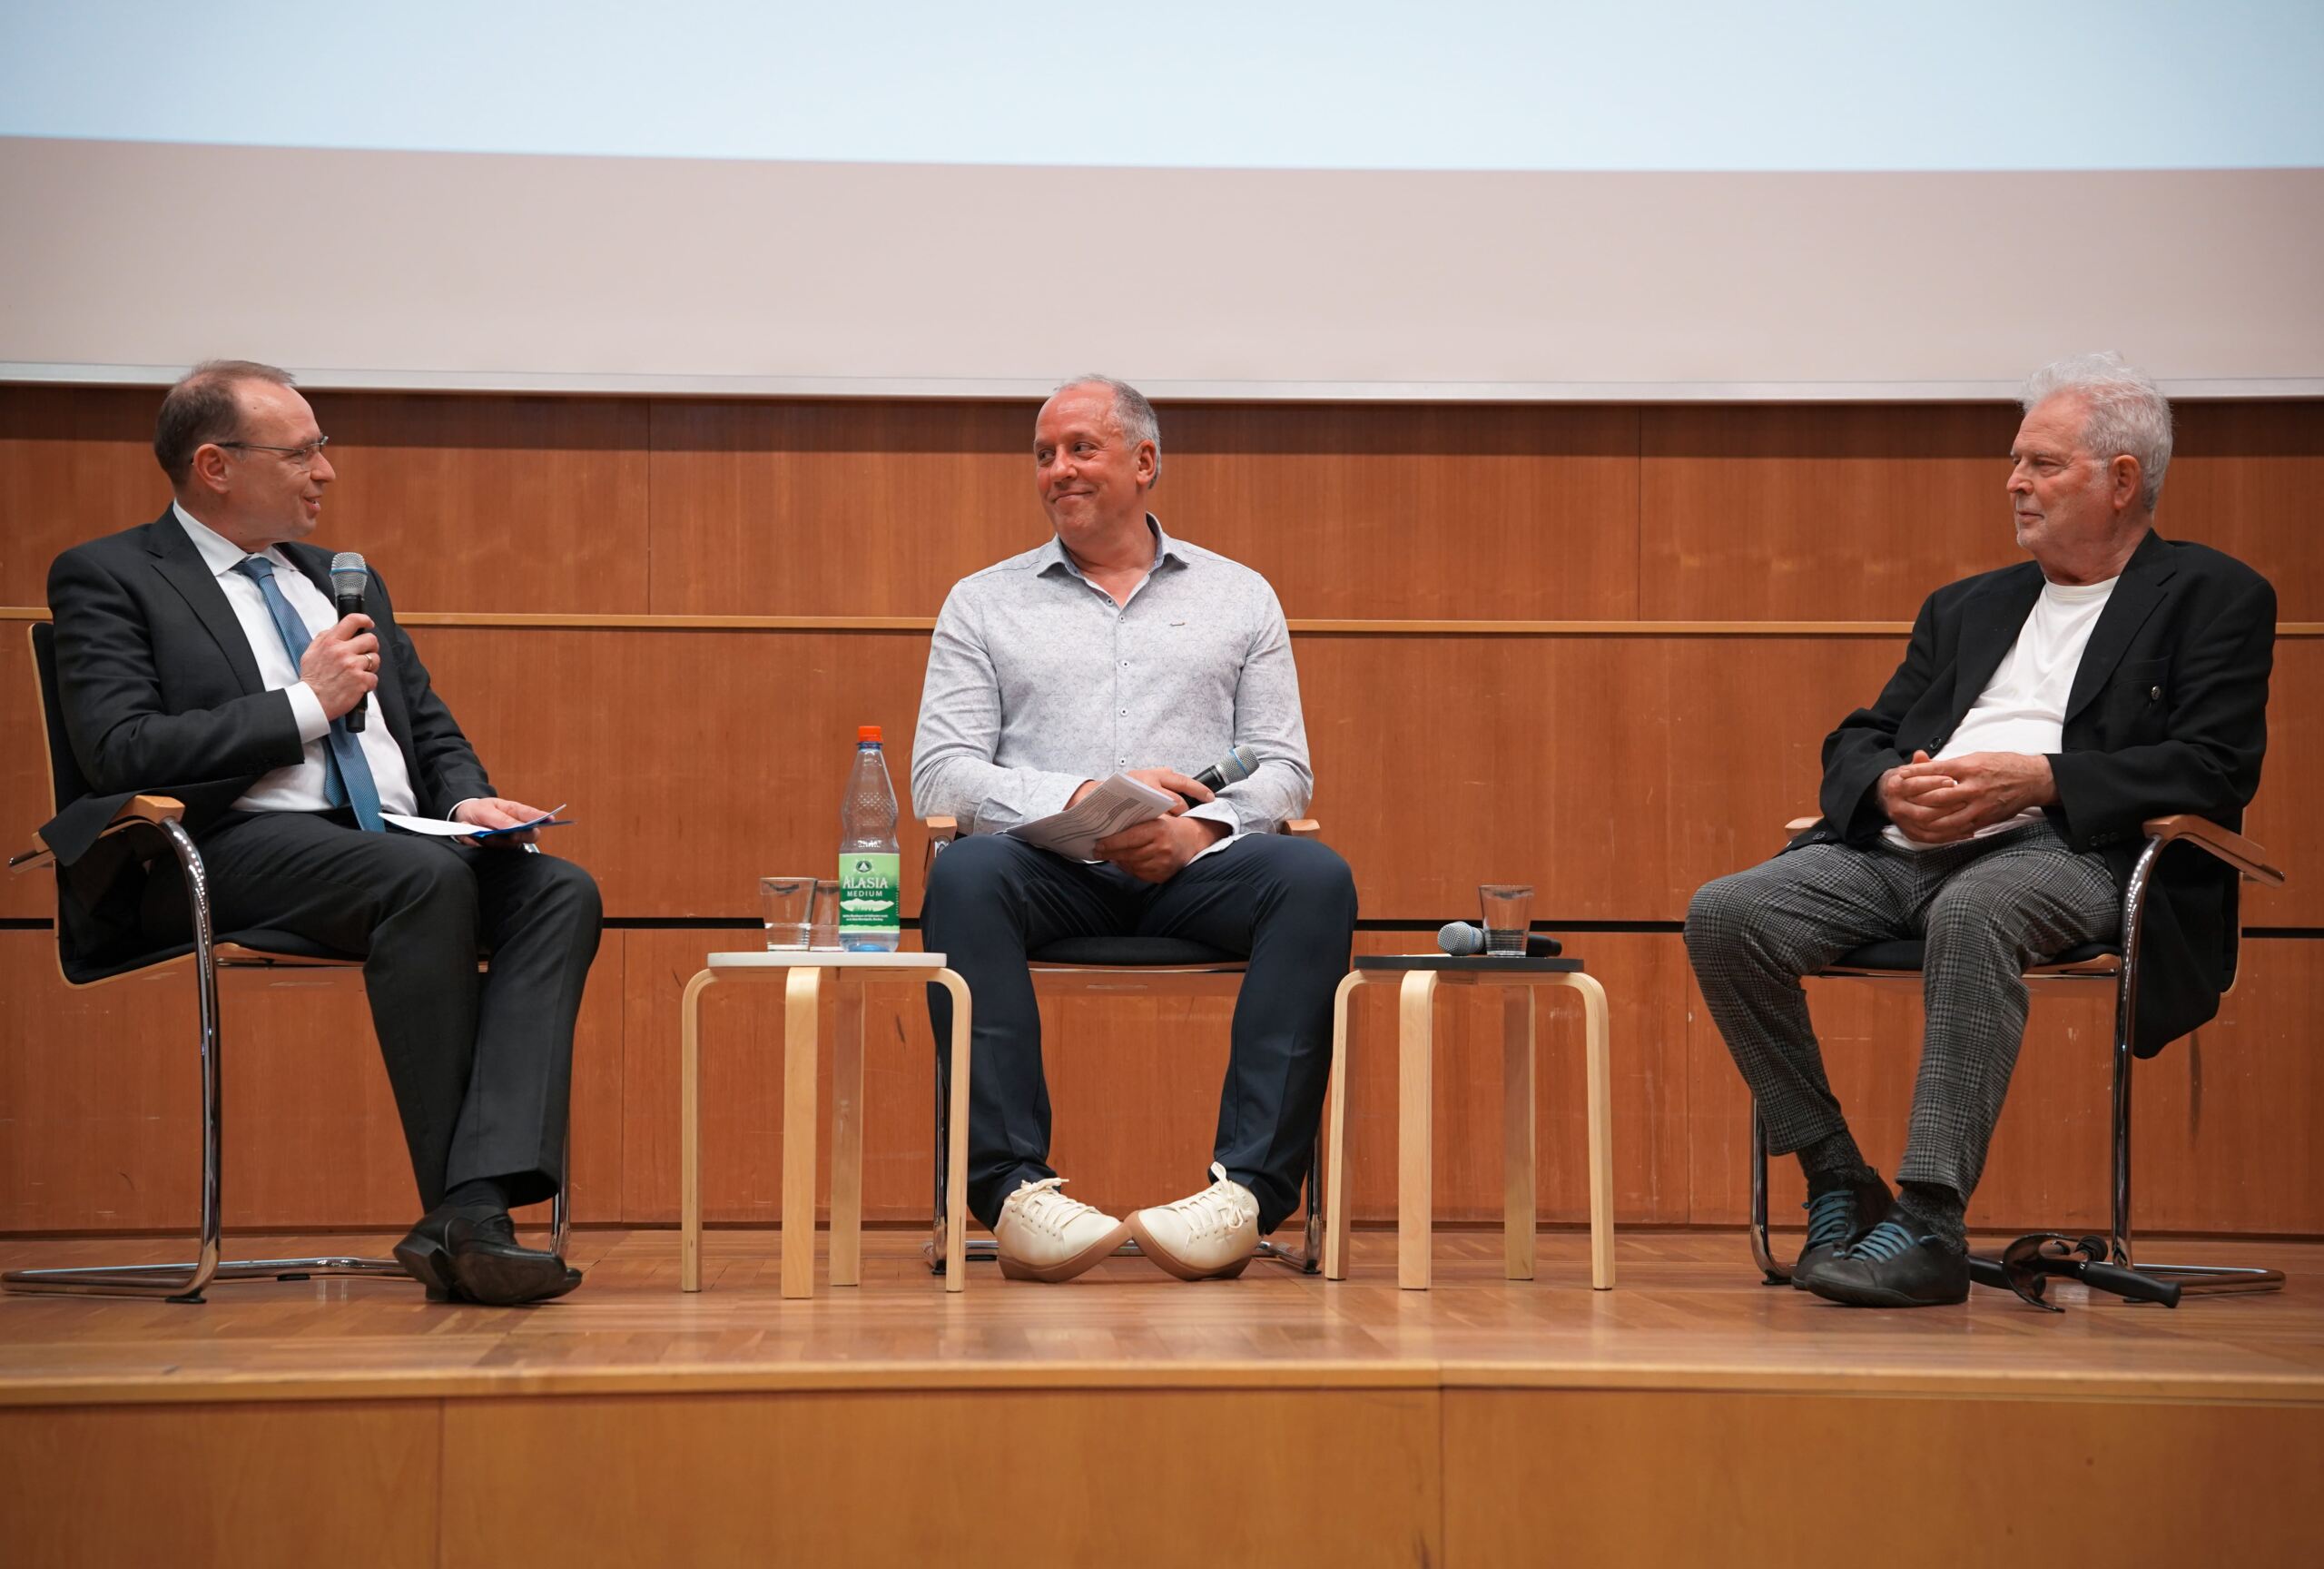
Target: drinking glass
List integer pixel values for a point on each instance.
(822, 926)
(1508, 912)
(783, 904)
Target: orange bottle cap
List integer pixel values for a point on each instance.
(867, 732)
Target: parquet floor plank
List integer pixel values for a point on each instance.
(1688, 1315)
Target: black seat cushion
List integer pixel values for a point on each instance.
(81, 974)
(1134, 952)
(1909, 953)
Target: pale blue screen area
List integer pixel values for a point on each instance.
(1692, 85)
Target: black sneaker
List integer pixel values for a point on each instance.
(1837, 1219)
(1891, 1268)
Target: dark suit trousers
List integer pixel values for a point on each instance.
(481, 1064)
(1289, 904)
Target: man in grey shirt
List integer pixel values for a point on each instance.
(1115, 649)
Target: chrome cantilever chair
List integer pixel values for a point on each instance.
(1898, 963)
(154, 820)
(1132, 966)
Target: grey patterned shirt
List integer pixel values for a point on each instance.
(1036, 680)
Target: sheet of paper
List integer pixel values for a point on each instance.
(437, 828)
(1116, 804)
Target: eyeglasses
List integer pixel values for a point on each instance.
(300, 457)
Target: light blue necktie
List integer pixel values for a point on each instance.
(346, 777)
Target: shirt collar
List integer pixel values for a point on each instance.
(220, 554)
(1055, 555)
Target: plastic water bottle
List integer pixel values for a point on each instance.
(871, 884)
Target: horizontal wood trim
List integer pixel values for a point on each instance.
(1352, 628)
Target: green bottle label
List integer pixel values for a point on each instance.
(870, 883)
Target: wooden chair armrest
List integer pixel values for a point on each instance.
(147, 809)
(141, 810)
(1304, 828)
(2230, 846)
(1799, 826)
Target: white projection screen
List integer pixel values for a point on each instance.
(1465, 201)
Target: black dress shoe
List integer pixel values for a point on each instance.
(426, 1259)
(488, 1265)
(1891, 1268)
(1837, 1219)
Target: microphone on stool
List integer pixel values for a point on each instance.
(350, 579)
(1460, 939)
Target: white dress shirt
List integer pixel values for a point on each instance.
(297, 788)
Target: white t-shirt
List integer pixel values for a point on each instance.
(2024, 707)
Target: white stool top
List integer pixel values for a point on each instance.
(821, 959)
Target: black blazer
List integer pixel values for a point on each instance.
(2168, 713)
(160, 696)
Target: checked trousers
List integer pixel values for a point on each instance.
(1984, 909)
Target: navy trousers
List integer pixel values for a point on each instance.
(1288, 904)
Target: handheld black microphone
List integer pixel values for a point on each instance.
(1239, 764)
(1460, 939)
(350, 579)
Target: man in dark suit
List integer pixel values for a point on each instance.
(1989, 803)
(201, 657)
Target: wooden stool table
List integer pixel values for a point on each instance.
(801, 972)
(1420, 975)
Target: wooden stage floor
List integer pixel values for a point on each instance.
(1689, 1411)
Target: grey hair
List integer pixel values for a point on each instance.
(1134, 417)
(2128, 412)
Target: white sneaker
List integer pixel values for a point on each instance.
(1046, 1236)
(1211, 1236)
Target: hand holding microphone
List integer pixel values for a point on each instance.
(342, 663)
(350, 580)
(1239, 764)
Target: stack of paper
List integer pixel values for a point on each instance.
(1119, 803)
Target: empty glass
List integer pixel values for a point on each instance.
(1508, 912)
(824, 924)
(782, 905)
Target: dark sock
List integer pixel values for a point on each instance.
(1833, 1162)
(483, 1194)
(1933, 1210)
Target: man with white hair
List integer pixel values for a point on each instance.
(1989, 803)
(1115, 647)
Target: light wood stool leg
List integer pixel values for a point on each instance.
(1335, 1186)
(846, 1135)
(1518, 1200)
(1601, 1132)
(956, 1163)
(801, 990)
(1415, 1118)
(690, 1131)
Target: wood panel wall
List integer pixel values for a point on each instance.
(1707, 589)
